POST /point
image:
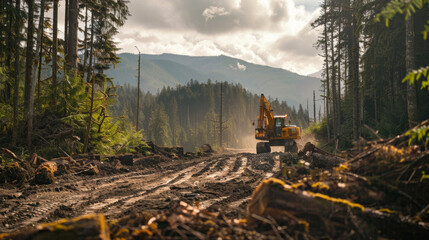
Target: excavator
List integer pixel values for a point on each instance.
(274, 130)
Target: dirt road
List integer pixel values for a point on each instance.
(223, 181)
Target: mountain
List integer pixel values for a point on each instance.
(162, 70)
(317, 74)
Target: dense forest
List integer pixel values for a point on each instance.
(55, 97)
(189, 115)
(67, 110)
(368, 48)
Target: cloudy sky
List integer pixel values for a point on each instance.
(270, 32)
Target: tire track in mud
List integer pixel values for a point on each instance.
(121, 203)
(220, 181)
(87, 192)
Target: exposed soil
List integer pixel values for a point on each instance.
(220, 181)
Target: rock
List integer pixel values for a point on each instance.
(206, 148)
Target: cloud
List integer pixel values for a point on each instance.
(239, 67)
(268, 32)
(301, 44)
(213, 11)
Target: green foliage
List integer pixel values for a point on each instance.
(416, 75)
(402, 6)
(192, 114)
(159, 126)
(419, 135)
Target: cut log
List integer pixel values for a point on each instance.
(324, 161)
(325, 215)
(92, 227)
(45, 173)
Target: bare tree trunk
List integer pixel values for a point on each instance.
(16, 90)
(39, 74)
(33, 80)
(54, 53)
(409, 64)
(71, 57)
(354, 66)
(29, 57)
(90, 76)
(138, 96)
(85, 50)
(314, 106)
(91, 51)
(333, 79)
(327, 72)
(339, 68)
(66, 30)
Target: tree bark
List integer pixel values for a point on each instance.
(333, 79)
(85, 50)
(354, 70)
(339, 68)
(327, 72)
(409, 64)
(16, 88)
(29, 57)
(89, 76)
(33, 80)
(66, 30)
(71, 57)
(54, 53)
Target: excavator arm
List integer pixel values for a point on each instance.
(265, 110)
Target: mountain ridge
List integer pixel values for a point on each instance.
(162, 70)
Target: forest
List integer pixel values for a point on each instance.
(190, 115)
(54, 93)
(371, 51)
(84, 158)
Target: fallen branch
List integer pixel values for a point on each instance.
(11, 154)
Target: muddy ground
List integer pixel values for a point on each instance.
(221, 181)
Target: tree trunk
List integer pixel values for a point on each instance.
(327, 72)
(71, 57)
(16, 90)
(354, 67)
(333, 79)
(409, 64)
(89, 76)
(91, 51)
(66, 30)
(339, 69)
(29, 57)
(33, 80)
(138, 96)
(85, 50)
(54, 53)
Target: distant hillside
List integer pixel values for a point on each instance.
(317, 74)
(158, 71)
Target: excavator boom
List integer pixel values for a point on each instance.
(265, 113)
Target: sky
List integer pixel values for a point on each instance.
(276, 33)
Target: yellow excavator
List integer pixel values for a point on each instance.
(275, 130)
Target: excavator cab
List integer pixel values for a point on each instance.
(278, 126)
